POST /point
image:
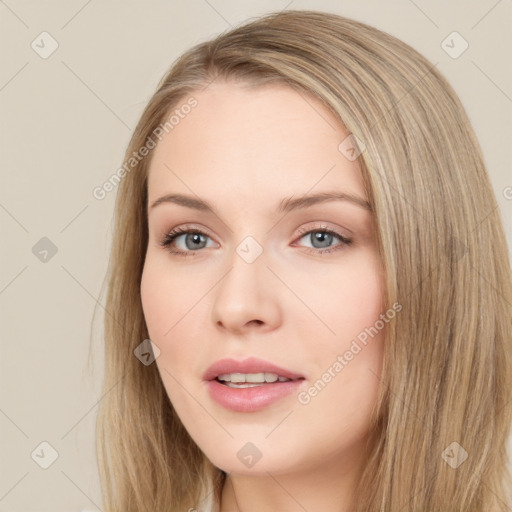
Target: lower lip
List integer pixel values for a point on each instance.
(251, 399)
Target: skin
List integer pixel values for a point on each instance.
(243, 150)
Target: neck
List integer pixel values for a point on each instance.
(328, 487)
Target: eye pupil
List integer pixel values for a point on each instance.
(323, 237)
(196, 237)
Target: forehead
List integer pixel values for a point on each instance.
(261, 142)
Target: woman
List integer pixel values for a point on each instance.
(307, 234)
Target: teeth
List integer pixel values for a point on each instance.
(244, 385)
(238, 378)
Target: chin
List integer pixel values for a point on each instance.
(251, 460)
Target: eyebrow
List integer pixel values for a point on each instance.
(285, 205)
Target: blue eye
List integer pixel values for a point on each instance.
(324, 237)
(195, 240)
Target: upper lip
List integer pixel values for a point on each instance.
(249, 365)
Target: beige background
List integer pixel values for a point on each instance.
(65, 122)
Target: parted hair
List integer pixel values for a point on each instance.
(446, 384)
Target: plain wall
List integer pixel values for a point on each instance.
(65, 122)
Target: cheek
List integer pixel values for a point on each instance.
(154, 297)
(167, 297)
(359, 303)
(175, 311)
(342, 301)
(164, 304)
(341, 397)
(349, 357)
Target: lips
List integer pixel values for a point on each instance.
(242, 399)
(250, 365)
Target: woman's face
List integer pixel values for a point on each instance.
(281, 285)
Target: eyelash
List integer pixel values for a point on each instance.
(169, 238)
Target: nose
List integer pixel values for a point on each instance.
(247, 297)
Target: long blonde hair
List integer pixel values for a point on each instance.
(447, 375)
